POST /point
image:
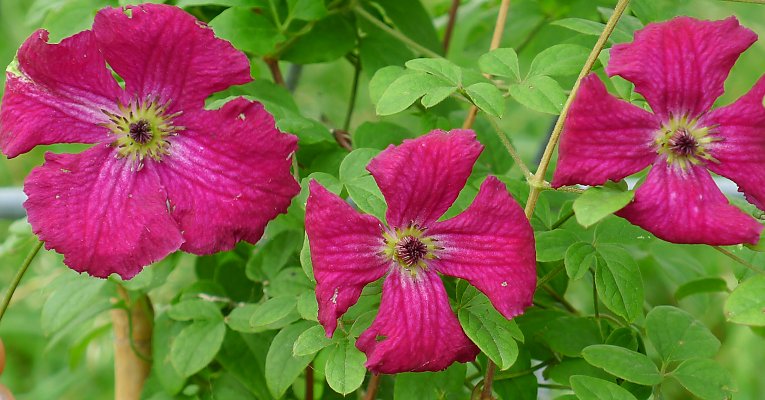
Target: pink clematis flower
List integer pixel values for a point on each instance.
(491, 245)
(680, 67)
(164, 173)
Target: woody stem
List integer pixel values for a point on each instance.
(132, 345)
(544, 163)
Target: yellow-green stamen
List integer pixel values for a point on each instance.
(142, 129)
(410, 248)
(684, 143)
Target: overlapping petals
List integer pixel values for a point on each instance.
(605, 138)
(162, 51)
(217, 178)
(415, 329)
(58, 95)
(99, 214)
(491, 245)
(680, 66)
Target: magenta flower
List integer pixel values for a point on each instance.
(680, 67)
(491, 245)
(164, 172)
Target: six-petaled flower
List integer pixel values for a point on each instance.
(490, 244)
(164, 172)
(680, 67)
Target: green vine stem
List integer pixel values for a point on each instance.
(538, 179)
(17, 278)
(361, 12)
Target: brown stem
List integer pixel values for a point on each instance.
(309, 382)
(374, 384)
(488, 381)
(132, 335)
(276, 73)
(450, 25)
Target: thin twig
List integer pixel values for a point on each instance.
(450, 25)
(17, 278)
(396, 34)
(511, 150)
(517, 374)
(499, 30)
(555, 136)
(488, 381)
(309, 382)
(560, 299)
(739, 260)
(354, 91)
(562, 220)
(374, 384)
(276, 73)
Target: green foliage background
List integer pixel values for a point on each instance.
(57, 331)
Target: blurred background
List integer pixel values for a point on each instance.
(58, 343)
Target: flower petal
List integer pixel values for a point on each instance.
(604, 138)
(57, 94)
(102, 215)
(491, 245)
(227, 175)
(345, 251)
(415, 329)
(680, 66)
(161, 50)
(422, 177)
(741, 152)
(687, 207)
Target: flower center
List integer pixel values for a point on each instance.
(684, 142)
(410, 248)
(142, 129)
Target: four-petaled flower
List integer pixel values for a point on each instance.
(490, 244)
(679, 67)
(164, 172)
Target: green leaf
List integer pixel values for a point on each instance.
(501, 62)
(407, 89)
(746, 305)
(164, 333)
(330, 39)
(489, 330)
(411, 18)
(345, 368)
(702, 285)
(704, 378)
(305, 259)
(626, 364)
(197, 345)
(225, 3)
(306, 10)
(760, 246)
(440, 67)
(73, 295)
(579, 258)
(282, 367)
(677, 336)
(540, 93)
(307, 306)
(430, 385)
(553, 245)
(239, 318)
(244, 357)
(619, 283)
(570, 335)
(378, 135)
(360, 184)
(487, 97)
(559, 60)
(194, 310)
(580, 25)
(599, 202)
(588, 388)
(247, 30)
(272, 310)
(383, 78)
(311, 341)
